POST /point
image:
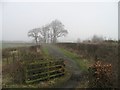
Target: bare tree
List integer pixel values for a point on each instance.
(51, 35)
(58, 30)
(40, 39)
(97, 39)
(34, 33)
(44, 33)
(48, 33)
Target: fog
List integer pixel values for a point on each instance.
(81, 19)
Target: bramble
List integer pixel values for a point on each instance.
(100, 75)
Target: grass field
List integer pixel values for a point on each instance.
(10, 45)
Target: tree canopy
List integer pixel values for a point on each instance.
(48, 33)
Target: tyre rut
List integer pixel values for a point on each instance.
(71, 65)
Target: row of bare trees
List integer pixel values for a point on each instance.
(48, 33)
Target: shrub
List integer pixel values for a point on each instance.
(17, 72)
(100, 75)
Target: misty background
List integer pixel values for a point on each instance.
(81, 19)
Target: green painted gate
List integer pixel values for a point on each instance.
(37, 72)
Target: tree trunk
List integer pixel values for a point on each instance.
(54, 36)
(36, 41)
(54, 39)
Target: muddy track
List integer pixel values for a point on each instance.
(71, 65)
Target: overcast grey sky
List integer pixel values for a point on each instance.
(81, 19)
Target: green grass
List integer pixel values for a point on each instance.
(0, 45)
(46, 54)
(83, 63)
(11, 45)
(45, 51)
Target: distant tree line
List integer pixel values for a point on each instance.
(48, 33)
(97, 39)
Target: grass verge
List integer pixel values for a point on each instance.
(45, 51)
(83, 63)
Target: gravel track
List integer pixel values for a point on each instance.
(70, 64)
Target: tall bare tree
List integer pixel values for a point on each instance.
(44, 33)
(48, 33)
(34, 33)
(58, 30)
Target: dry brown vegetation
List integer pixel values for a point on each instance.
(16, 60)
(100, 75)
(105, 52)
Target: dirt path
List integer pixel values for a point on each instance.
(71, 65)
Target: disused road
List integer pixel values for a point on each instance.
(71, 65)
